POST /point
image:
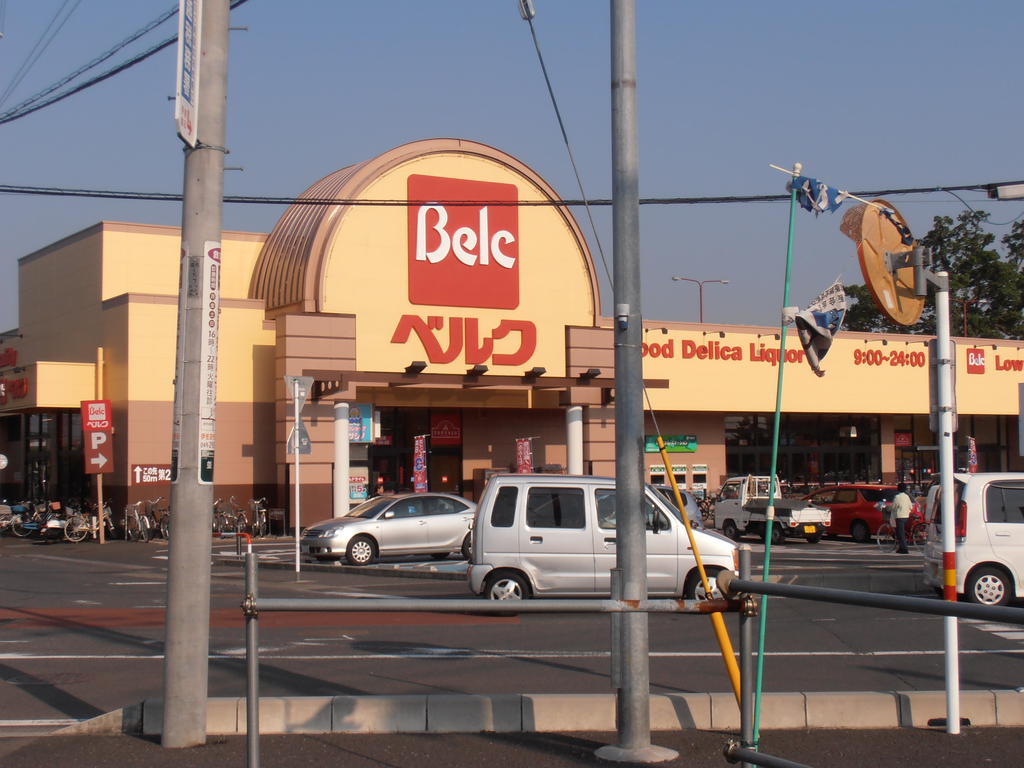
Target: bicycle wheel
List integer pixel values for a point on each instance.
(261, 524)
(18, 527)
(885, 537)
(76, 529)
(132, 528)
(917, 535)
(165, 525)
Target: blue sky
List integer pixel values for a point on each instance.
(866, 95)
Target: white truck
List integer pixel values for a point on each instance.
(742, 505)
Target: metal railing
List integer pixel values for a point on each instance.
(741, 588)
(738, 592)
(252, 605)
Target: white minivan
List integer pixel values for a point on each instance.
(554, 535)
(988, 512)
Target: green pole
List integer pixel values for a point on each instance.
(770, 517)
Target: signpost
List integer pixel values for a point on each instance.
(96, 433)
(298, 442)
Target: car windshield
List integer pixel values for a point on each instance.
(878, 494)
(371, 508)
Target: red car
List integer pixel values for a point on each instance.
(855, 509)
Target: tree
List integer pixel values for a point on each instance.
(988, 285)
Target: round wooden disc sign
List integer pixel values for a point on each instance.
(875, 234)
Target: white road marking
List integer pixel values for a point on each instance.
(137, 583)
(27, 723)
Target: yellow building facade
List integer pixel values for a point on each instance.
(441, 290)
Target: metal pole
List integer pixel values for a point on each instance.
(700, 301)
(747, 627)
(252, 668)
(944, 376)
(633, 698)
(186, 659)
(298, 511)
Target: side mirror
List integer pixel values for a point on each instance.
(388, 515)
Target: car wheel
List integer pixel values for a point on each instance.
(730, 530)
(988, 586)
(361, 551)
(694, 589)
(467, 547)
(859, 531)
(777, 536)
(507, 586)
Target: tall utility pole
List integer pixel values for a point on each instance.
(186, 659)
(633, 667)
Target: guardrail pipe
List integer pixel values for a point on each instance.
(252, 667)
(476, 605)
(731, 585)
(734, 753)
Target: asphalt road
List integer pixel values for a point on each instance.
(83, 628)
(83, 632)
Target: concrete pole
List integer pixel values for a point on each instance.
(341, 459)
(633, 697)
(574, 440)
(944, 378)
(187, 643)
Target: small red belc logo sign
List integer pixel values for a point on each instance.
(463, 255)
(975, 360)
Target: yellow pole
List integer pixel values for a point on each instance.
(724, 643)
(99, 476)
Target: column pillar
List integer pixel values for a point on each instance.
(341, 459)
(574, 440)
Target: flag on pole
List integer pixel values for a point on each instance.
(972, 455)
(524, 455)
(818, 324)
(816, 196)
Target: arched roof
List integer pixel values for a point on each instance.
(292, 261)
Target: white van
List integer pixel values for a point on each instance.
(554, 535)
(988, 512)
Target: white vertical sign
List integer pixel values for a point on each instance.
(186, 105)
(179, 367)
(208, 361)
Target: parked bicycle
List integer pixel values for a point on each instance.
(260, 519)
(83, 523)
(227, 520)
(137, 525)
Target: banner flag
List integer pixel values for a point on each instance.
(813, 195)
(524, 455)
(819, 323)
(972, 455)
(419, 464)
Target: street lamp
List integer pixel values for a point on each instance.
(700, 289)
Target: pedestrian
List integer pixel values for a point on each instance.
(899, 510)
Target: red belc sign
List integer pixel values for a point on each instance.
(97, 427)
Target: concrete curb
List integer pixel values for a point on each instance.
(561, 713)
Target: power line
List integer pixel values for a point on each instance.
(17, 113)
(95, 62)
(12, 189)
(39, 47)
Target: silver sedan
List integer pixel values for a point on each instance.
(435, 524)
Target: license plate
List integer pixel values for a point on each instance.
(809, 529)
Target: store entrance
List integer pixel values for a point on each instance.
(392, 455)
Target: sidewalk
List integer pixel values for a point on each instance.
(697, 749)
